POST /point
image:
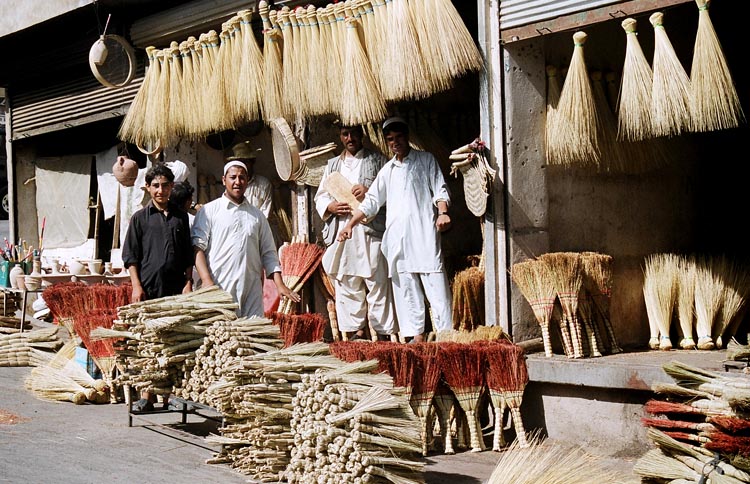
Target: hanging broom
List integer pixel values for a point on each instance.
(273, 99)
(634, 105)
(298, 262)
(187, 86)
(463, 367)
(660, 291)
(131, 128)
(714, 101)
(572, 139)
(364, 102)
(405, 75)
(686, 301)
(317, 66)
(612, 157)
(176, 112)
(553, 99)
(670, 93)
(458, 51)
(429, 36)
(250, 79)
(538, 288)
(565, 270)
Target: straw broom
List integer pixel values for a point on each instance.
(659, 292)
(714, 101)
(187, 87)
(405, 76)
(598, 281)
(289, 80)
(429, 35)
(298, 262)
(572, 139)
(736, 289)
(378, 57)
(612, 157)
(363, 103)
(427, 373)
(538, 288)
(634, 104)
(325, 57)
(370, 25)
(708, 293)
(670, 93)
(506, 377)
(463, 368)
(553, 98)
(686, 301)
(547, 462)
(250, 79)
(176, 114)
(272, 86)
(158, 98)
(565, 270)
(131, 128)
(317, 67)
(458, 51)
(219, 91)
(299, 56)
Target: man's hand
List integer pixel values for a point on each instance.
(339, 208)
(359, 192)
(137, 295)
(188, 287)
(443, 222)
(286, 292)
(345, 233)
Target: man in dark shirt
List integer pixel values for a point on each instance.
(157, 251)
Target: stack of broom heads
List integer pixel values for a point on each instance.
(699, 428)
(570, 291)
(395, 50)
(455, 383)
(654, 101)
(706, 295)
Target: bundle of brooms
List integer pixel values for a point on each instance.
(299, 328)
(298, 263)
(30, 348)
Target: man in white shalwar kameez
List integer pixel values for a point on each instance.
(415, 191)
(357, 267)
(233, 245)
(259, 189)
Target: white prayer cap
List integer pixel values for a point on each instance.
(234, 163)
(180, 170)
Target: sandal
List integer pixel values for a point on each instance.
(143, 405)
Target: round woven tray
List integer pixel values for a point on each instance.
(285, 150)
(111, 69)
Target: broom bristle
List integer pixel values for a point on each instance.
(659, 292)
(715, 104)
(634, 105)
(572, 139)
(670, 93)
(366, 103)
(708, 293)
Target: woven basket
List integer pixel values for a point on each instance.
(285, 150)
(313, 163)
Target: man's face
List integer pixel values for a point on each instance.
(160, 188)
(398, 143)
(235, 183)
(351, 138)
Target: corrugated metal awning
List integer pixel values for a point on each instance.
(525, 19)
(66, 105)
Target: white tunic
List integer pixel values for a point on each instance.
(258, 192)
(411, 188)
(359, 255)
(238, 245)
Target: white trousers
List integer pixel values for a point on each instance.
(409, 292)
(360, 300)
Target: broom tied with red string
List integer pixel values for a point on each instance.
(463, 367)
(506, 376)
(299, 260)
(536, 285)
(565, 271)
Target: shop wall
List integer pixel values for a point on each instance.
(689, 203)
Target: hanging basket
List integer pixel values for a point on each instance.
(313, 163)
(112, 61)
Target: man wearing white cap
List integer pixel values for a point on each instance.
(259, 188)
(233, 245)
(413, 187)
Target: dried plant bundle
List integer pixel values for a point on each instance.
(660, 293)
(634, 105)
(686, 301)
(572, 139)
(670, 93)
(714, 101)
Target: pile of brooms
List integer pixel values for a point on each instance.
(700, 428)
(30, 348)
(707, 295)
(653, 102)
(396, 50)
(577, 288)
(452, 382)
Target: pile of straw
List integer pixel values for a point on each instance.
(30, 348)
(700, 428)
